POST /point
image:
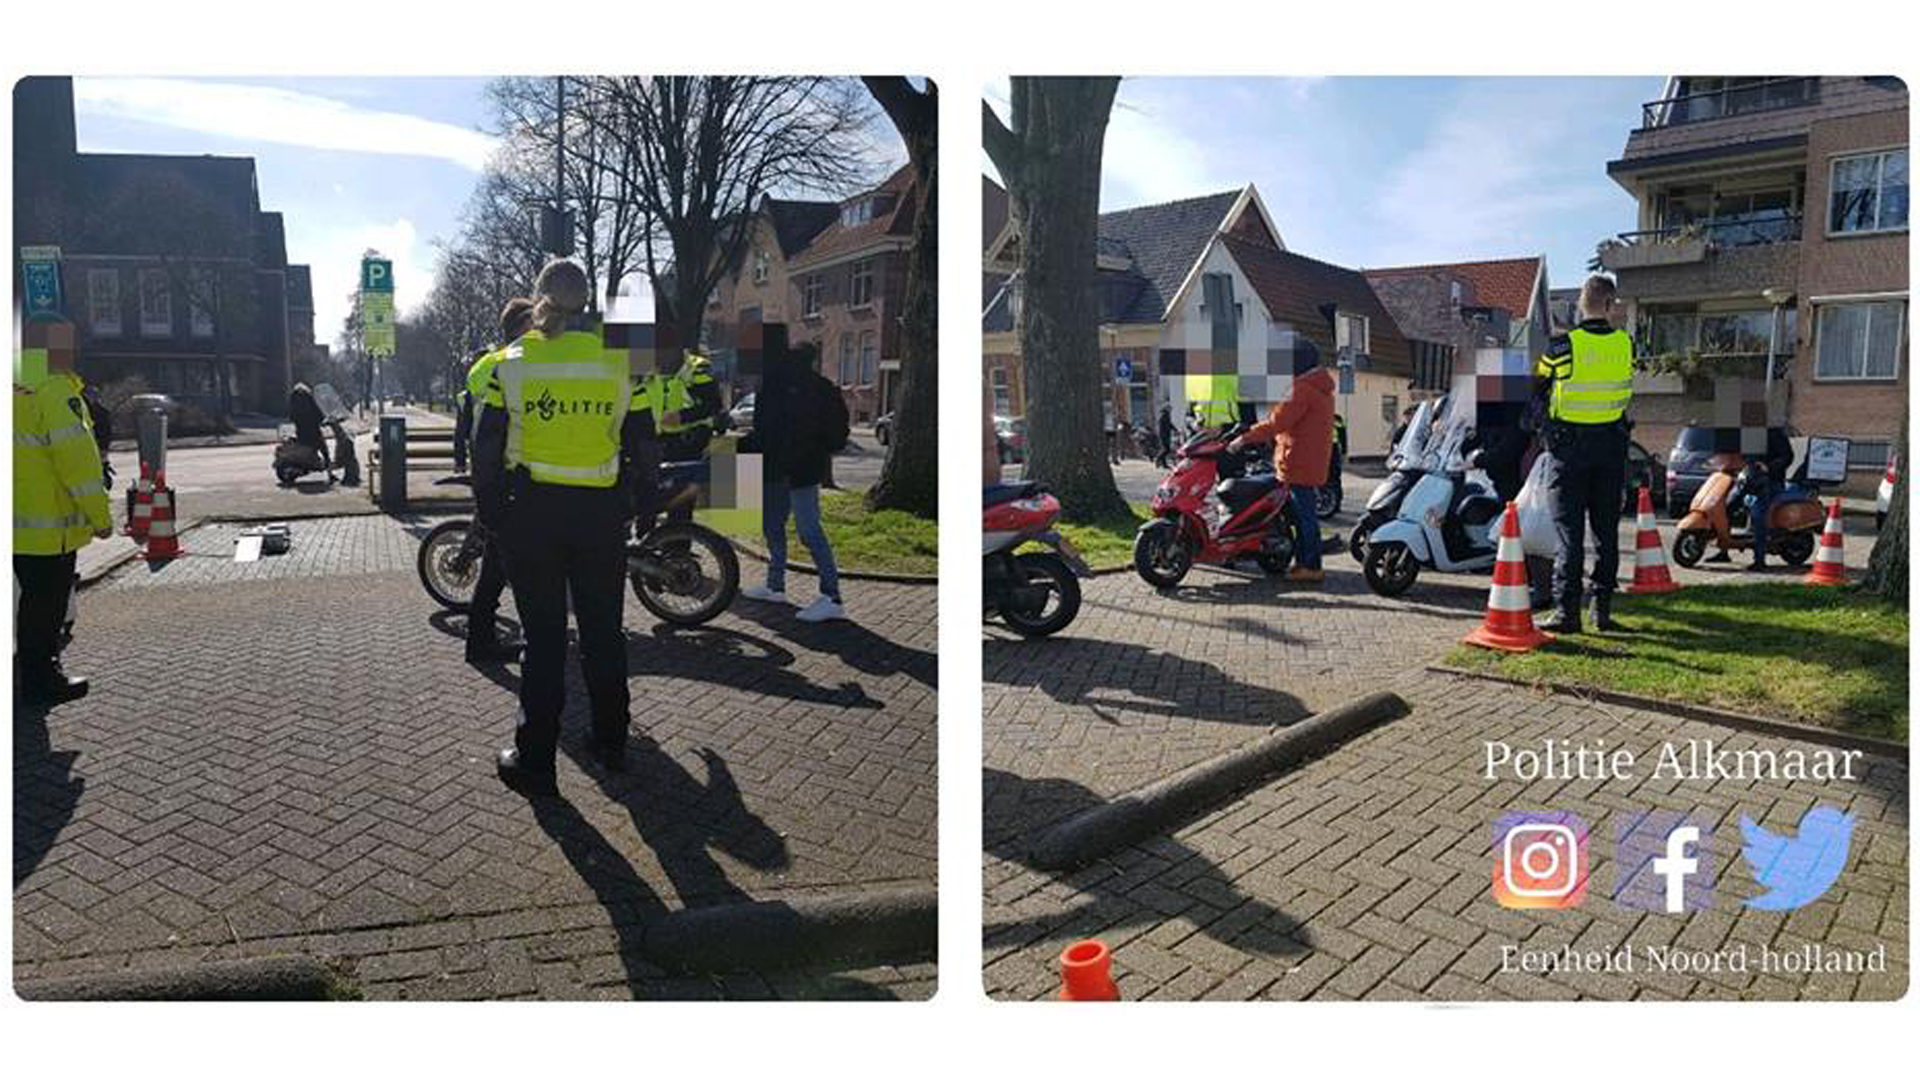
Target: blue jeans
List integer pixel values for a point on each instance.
(804, 504)
(1757, 507)
(1307, 551)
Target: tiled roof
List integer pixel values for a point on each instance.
(1163, 241)
(1502, 283)
(837, 238)
(1297, 290)
(797, 221)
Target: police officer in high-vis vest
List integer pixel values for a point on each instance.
(483, 614)
(547, 479)
(1587, 378)
(682, 403)
(59, 505)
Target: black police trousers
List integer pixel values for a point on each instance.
(568, 541)
(45, 583)
(483, 614)
(1588, 468)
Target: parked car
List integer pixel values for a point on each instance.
(1643, 468)
(741, 415)
(883, 429)
(1884, 497)
(1689, 465)
(1011, 435)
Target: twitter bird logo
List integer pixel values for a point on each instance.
(1797, 870)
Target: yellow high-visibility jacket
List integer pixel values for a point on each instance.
(565, 398)
(1592, 373)
(59, 494)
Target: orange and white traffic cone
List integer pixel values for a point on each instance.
(1086, 972)
(1509, 622)
(163, 537)
(1649, 555)
(141, 516)
(1829, 563)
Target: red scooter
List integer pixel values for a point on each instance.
(1217, 506)
(1036, 593)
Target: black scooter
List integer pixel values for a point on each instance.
(293, 459)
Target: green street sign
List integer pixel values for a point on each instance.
(376, 323)
(376, 275)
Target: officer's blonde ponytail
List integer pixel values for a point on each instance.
(559, 292)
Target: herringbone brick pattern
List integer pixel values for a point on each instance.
(1365, 873)
(292, 756)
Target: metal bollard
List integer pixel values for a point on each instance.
(393, 462)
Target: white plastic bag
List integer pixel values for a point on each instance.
(1535, 505)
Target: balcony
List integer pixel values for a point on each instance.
(1682, 245)
(1738, 99)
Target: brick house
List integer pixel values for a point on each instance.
(1772, 223)
(845, 288)
(1164, 272)
(760, 286)
(171, 271)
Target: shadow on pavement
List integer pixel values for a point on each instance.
(45, 790)
(1016, 808)
(1074, 671)
(855, 645)
(735, 659)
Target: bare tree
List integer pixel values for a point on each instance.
(696, 153)
(1049, 159)
(910, 478)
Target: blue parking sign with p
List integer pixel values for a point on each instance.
(376, 275)
(40, 279)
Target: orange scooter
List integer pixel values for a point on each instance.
(1719, 508)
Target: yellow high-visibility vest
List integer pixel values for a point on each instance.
(1216, 399)
(59, 494)
(478, 376)
(1593, 384)
(663, 394)
(565, 399)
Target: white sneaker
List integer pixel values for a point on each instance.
(822, 609)
(761, 592)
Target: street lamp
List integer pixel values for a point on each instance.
(1779, 298)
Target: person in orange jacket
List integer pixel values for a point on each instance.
(1301, 430)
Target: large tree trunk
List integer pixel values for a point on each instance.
(910, 478)
(1050, 162)
(1887, 566)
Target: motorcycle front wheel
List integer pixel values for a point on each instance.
(684, 572)
(1327, 499)
(1689, 545)
(1159, 557)
(1795, 548)
(1063, 595)
(1390, 568)
(449, 564)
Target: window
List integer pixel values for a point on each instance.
(1719, 333)
(1352, 333)
(861, 288)
(1868, 193)
(1859, 340)
(103, 301)
(1390, 409)
(200, 319)
(812, 293)
(844, 373)
(1216, 299)
(156, 304)
(760, 268)
(869, 358)
(857, 212)
(1002, 393)
(1868, 454)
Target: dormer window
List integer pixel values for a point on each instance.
(760, 268)
(857, 212)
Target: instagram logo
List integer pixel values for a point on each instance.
(1540, 861)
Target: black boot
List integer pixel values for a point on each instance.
(610, 756)
(1603, 613)
(1566, 620)
(50, 686)
(522, 779)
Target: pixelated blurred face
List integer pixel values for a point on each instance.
(1742, 411)
(1221, 378)
(1502, 376)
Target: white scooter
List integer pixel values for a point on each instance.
(1449, 521)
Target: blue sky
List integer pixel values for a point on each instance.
(352, 163)
(1389, 171)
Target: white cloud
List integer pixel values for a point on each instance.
(269, 114)
(1490, 177)
(1149, 158)
(334, 254)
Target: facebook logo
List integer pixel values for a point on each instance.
(1662, 863)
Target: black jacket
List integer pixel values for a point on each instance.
(799, 423)
(307, 418)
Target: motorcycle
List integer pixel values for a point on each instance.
(1448, 521)
(681, 571)
(293, 459)
(1035, 593)
(1406, 464)
(1214, 508)
(1794, 519)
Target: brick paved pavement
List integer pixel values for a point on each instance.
(291, 756)
(1365, 873)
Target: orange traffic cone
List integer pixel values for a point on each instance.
(1509, 622)
(141, 516)
(1829, 563)
(1086, 972)
(1649, 557)
(163, 538)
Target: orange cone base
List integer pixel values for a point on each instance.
(1668, 585)
(1525, 640)
(1831, 577)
